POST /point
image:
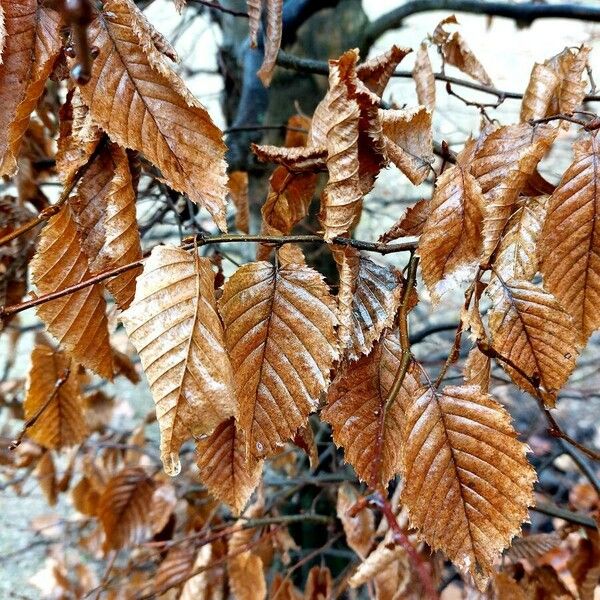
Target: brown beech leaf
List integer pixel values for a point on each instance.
(176, 568)
(478, 369)
(31, 47)
(174, 326)
(502, 167)
(362, 420)
(318, 584)
(584, 565)
(209, 584)
(45, 472)
(254, 12)
(410, 224)
(467, 482)
(569, 246)
(78, 321)
(571, 64)
(532, 546)
(104, 205)
(53, 400)
(506, 587)
(142, 104)
(376, 72)
(272, 40)
(360, 529)
(123, 509)
(297, 159)
(164, 499)
(452, 235)
(280, 333)
(531, 329)
(284, 589)
(368, 298)
(408, 141)
(424, 78)
(224, 469)
(238, 190)
(541, 89)
(456, 52)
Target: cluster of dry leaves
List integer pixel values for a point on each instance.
(239, 364)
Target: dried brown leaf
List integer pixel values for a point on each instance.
(254, 8)
(45, 473)
(467, 482)
(272, 40)
(541, 89)
(362, 420)
(569, 246)
(359, 529)
(224, 469)
(238, 190)
(283, 589)
(123, 509)
(318, 584)
(176, 567)
(424, 78)
(136, 97)
(411, 223)
(209, 584)
(376, 72)
(280, 332)
(532, 546)
(174, 325)
(478, 369)
(297, 159)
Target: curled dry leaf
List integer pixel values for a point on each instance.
(531, 547)
(424, 78)
(503, 164)
(174, 326)
(254, 8)
(272, 40)
(45, 472)
(78, 321)
(478, 368)
(368, 299)
(53, 401)
(318, 584)
(364, 420)
(31, 46)
(280, 333)
(164, 499)
(452, 235)
(123, 509)
(359, 529)
(541, 89)
(176, 568)
(297, 159)
(238, 190)
(569, 246)
(376, 72)
(224, 469)
(530, 329)
(142, 104)
(209, 583)
(410, 224)
(467, 482)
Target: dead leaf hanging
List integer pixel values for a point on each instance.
(424, 78)
(272, 40)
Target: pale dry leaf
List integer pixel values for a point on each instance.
(78, 321)
(411, 223)
(541, 89)
(368, 299)
(123, 509)
(376, 72)
(572, 63)
(58, 406)
(272, 40)
(209, 584)
(424, 78)
(224, 470)
(174, 326)
(254, 8)
(359, 529)
(408, 141)
(31, 47)
(238, 190)
(452, 235)
(467, 482)
(136, 97)
(529, 328)
(297, 159)
(2, 33)
(362, 420)
(164, 499)
(532, 546)
(478, 369)
(569, 247)
(280, 333)
(176, 567)
(502, 166)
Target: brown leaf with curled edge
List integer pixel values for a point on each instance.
(142, 104)
(363, 423)
(408, 141)
(452, 235)
(106, 217)
(502, 167)
(164, 499)
(296, 159)
(31, 47)
(359, 529)
(296, 133)
(54, 405)
(305, 439)
(542, 87)
(530, 328)
(224, 470)
(569, 247)
(368, 299)
(571, 64)
(45, 472)
(424, 78)
(337, 117)
(254, 8)
(318, 584)
(280, 333)
(456, 52)
(78, 321)
(272, 40)
(123, 509)
(376, 72)
(410, 224)
(478, 369)
(238, 190)
(85, 496)
(174, 326)
(2, 32)
(532, 546)
(209, 584)
(467, 482)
